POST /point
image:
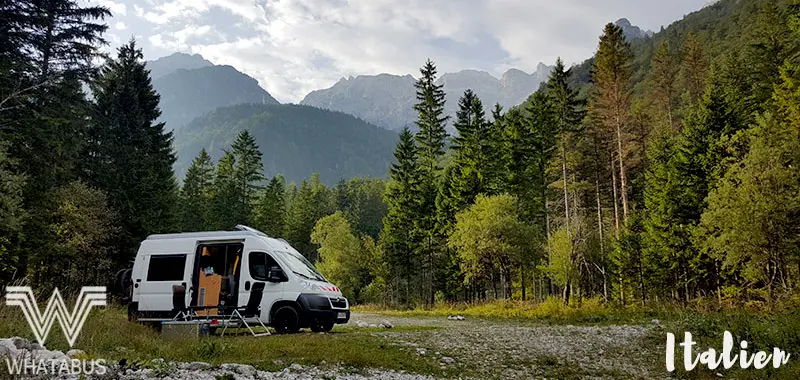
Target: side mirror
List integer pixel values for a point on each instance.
(276, 275)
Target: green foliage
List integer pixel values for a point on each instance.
(270, 212)
(12, 214)
(130, 155)
(197, 194)
(312, 202)
(80, 251)
(752, 215)
(396, 240)
(343, 258)
(490, 238)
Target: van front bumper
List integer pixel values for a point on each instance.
(317, 307)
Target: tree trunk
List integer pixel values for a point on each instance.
(522, 279)
(616, 197)
(566, 193)
(623, 184)
(566, 292)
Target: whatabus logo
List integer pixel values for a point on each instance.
(41, 323)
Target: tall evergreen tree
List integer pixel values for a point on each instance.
(663, 72)
(694, 68)
(312, 202)
(270, 213)
(130, 155)
(226, 202)
(397, 239)
(431, 137)
(196, 194)
(610, 103)
(248, 171)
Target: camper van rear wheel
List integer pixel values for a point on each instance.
(321, 326)
(285, 320)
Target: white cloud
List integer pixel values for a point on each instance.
(119, 25)
(295, 46)
(117, 9)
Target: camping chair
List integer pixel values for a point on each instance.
(252, 310)
(181, 312)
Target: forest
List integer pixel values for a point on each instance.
(661, 170)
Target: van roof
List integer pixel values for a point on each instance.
(242, 231)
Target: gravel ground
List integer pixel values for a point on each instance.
(508, 350)
(475, 348)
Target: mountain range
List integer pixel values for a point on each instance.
(343, 131)
(387, 100)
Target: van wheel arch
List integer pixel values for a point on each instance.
(284, 307)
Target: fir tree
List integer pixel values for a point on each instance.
(130, 154)
(196, 194)
(610, 103)
(270, 213)
(397, 239)
(248, 171)
(662, 82)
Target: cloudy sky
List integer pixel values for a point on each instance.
(294, 46)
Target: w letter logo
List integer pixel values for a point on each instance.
(41, 323)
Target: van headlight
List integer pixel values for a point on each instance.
(310, 286)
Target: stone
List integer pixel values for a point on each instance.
(74, 353)
(242, 369)
(362, 324)
(386, 324)
(447, 360)
(421, 351)
(195, 366)
(296, 367)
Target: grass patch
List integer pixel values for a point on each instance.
(108, 335)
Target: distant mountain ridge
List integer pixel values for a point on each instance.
(387, 100)
(295, 141)
(190, 86)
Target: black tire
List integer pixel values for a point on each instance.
(321, 326)
(286, 320)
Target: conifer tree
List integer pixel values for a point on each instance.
(249, 169)
(312, 202)
(694, 68)
(610, 102)
(662, 82)
(567, 117)
(397, 240)
(270, 213)
(431, 138)
(226, 203)
(196, 194)
(130, 153)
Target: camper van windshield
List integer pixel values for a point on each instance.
(302, 267)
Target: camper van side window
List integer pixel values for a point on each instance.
(166, 268)
(260, 263)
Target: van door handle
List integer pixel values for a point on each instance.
(247, 285)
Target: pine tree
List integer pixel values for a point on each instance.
(226, 200)
(196, 194)
(466, 175)
(397, 239)
(610, 103)
(12, 214)
(431, 119)
(312, 202)
(662, 82)
(567, 117)
(130, 155)
(270, 213)
(431, 137)
(248, 171)
(694, 69)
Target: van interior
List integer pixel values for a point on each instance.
(216, 277)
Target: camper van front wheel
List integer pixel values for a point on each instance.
(286, 320)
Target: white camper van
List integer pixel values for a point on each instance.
(219, 269)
